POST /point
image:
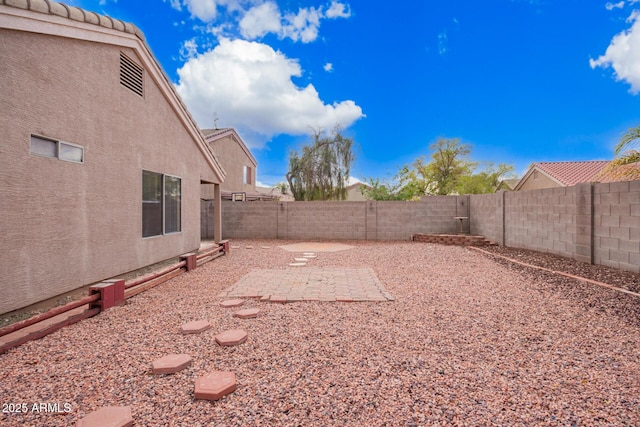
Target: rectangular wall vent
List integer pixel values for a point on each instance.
(131, 75)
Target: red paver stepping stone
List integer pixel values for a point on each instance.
(231, 337)
(247, 313)
(232, 303)
(215, 385)
(297, 264)
(195, 327)
(301, 260)
(171, 363)
(108, 416)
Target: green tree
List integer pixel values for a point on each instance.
(441, 175)
(626, 152)
(485, 181)
(321, 171)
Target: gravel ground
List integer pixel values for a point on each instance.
(469, 340)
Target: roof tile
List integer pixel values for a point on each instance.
(572, 173)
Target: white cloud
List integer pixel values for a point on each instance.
(261, 20)
(189, 49)
(611, 6)
(338, 10)
(249, 85)
(623, 55)
(204, 10)
(328, 67)
(303, 25)
(174, 4)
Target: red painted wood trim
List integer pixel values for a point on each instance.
(48, 314)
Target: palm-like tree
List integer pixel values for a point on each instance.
(626, 165)
(627, 148)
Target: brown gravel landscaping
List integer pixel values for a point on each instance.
(469, 340)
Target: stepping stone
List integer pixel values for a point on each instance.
(215, 385)
(232, 303)
(231, 337)
(249, 247)
(309, 256)
(265, 247)
(247, 313)
(112, 416)
(297, 264)
(235, 247)
(301, 260)
(171, 363)
(195, 327)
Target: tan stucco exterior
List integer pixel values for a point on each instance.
(234, 155)
(537, 180)
(65, 225)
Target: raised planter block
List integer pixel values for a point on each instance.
(451, 239)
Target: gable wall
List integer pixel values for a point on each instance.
(65, 225)
(233, 158)
(538, 183)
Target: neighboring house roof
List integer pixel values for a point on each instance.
(61, 20)
(212, 135)
(508, 184)
(628, 172)
(566, 174)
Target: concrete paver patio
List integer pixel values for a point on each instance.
(310, 284)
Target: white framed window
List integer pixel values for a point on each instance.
(161, 204)
(47, 147)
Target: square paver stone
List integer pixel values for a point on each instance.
(171, 363)
(310, 284)
(232, 337)
(215, 385)
(195, 327)
(108, 416)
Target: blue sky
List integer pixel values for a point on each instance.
(520, 80)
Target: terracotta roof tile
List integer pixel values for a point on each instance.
(50, 7)
(572, 173)
(629, 172)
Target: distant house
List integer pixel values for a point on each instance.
(560, 174)
(236, 159)
(102, 167)
(507, 184)
(354, 192)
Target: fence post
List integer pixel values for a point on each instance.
(583, 220)
(111, 294)
(191, 261)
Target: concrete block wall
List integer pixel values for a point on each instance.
(487, 216)
(247, 220)
(616, 225)
(370, 220)
(543, 220)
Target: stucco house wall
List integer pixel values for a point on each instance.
(536, 181)
(63, 224)
(234, 156)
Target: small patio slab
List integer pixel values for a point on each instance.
(195, 327)
(231, 337)
(215, 385)
(232, 303)
(171, 363)
(247, 313)
(112, 416)
(311, 284)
